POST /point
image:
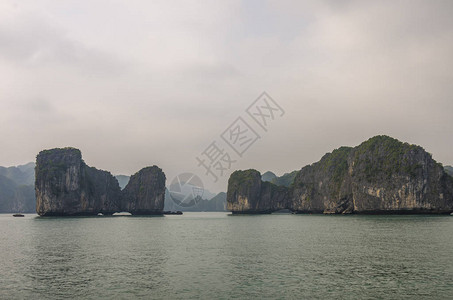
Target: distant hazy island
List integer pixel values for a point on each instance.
(17, 189)
(380, 176)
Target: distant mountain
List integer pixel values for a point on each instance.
(449, 170)
(17, 189)
(16, 198)
(217, 203)
(268, 176)
(285, 180)
(123, 180)
(7, 193)
(21, 175)
(207, 194)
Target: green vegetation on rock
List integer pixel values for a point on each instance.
(246, 177)
(335, 163)
(386, 156)
(381, 175)
(65, 185)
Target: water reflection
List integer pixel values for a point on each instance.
(214, 256)
(86, 257)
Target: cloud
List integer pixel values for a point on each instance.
(31, 40)
(134, 83)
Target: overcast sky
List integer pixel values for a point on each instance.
(137, 83)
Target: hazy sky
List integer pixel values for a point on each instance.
(137, 83)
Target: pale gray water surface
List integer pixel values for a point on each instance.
(214, 255)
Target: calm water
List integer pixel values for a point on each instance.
(213, 255)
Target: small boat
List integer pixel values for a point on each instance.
(18, 215)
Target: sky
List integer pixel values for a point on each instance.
(139, 83)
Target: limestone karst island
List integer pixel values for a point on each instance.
(227, 149)
(380, 176)
(65, 185)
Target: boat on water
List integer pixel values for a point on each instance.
(18, 215)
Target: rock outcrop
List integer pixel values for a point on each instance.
(65, 185)
(382, 175)
(145, 192)
(247, 193)
(323, 186)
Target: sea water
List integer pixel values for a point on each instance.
(220, 256)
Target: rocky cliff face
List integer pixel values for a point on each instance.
(390, 176)
(65, 185)
(248, 194)
(324, 186)
(382, 175)
(145, 192)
